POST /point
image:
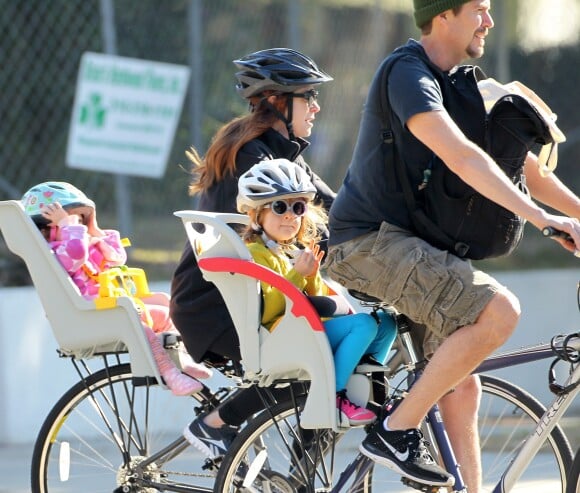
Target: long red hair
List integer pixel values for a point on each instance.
(220, 158)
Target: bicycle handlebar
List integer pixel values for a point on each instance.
(550, 232)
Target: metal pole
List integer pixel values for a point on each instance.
(196, 82)
(122, 186)
(501, 26)
(294, 19)
(196, 64)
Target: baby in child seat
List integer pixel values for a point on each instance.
(67, 219)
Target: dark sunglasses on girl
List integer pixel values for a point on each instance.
(280, 207)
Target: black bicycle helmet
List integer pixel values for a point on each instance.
(276, 69)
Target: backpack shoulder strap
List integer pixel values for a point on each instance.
(416, 211)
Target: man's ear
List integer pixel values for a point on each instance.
(442, 19)
(443, 16)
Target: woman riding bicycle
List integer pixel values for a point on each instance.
(280, 87)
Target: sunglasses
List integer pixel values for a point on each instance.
(280, 207)
(311, 96)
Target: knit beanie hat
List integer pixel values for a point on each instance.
(425, 10)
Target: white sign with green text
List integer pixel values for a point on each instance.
(125, 114)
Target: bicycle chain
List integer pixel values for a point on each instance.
(190, 474)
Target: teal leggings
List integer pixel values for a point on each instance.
(352, 336)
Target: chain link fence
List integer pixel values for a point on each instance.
(42, 41)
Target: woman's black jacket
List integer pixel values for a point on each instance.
(197, 308)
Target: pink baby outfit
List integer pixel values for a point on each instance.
(84, 257)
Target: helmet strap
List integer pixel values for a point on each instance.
(271, 244)
(282, 250)
(287, 120)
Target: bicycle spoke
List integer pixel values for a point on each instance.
(92, 441)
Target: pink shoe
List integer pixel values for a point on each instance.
(179, 383)
(191, 368)
(351, 413)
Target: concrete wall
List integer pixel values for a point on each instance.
(32, 377)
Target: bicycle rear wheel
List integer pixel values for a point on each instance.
(104, 426)
(508, 415)
(273, 455)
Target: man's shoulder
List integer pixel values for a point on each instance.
(413, 80)
(412, 51)
(411, 46)
(410, 57)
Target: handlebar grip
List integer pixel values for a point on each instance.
(549, 231)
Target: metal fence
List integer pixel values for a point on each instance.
(42, 41)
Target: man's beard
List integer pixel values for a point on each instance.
(476, 52)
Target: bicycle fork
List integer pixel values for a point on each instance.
(542, 433)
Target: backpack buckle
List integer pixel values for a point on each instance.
(388, 136)
(461, 249)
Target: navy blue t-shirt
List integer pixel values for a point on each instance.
(370, 194)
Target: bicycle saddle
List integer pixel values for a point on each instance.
(367, 298)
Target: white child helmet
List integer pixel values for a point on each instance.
(270, 180)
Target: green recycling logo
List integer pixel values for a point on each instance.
(93, 112)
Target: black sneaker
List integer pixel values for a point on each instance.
(406, 453)
(212, 442)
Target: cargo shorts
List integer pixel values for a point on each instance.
(436, 290)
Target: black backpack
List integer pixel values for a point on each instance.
(446, 211)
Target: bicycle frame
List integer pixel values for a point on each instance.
(550, 418)
(405, 356)
(533, 443)
(531, 446)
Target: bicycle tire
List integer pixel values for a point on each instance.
(503, 404)
(82, 446)
(503, 427)
(574, 475)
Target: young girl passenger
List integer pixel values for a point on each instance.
(277, 196)
(67, 219)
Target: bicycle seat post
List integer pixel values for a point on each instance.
(406, 339)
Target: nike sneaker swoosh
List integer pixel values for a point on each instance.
(398, 454)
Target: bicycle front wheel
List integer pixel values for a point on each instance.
(508, 415)
(101, 429)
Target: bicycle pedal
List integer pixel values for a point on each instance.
(420, 486)
(212, 464)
